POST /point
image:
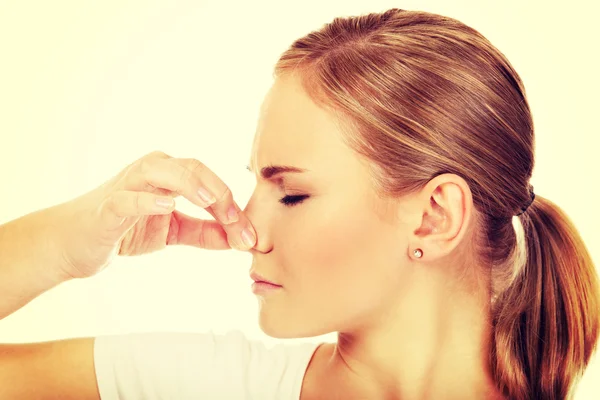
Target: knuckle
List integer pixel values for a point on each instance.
(145, 162)
(195, 166)
(184, 178)
(144, 165)
(190, 171)
(156, 154)
(109, 203)
(225, 196)
(112, 204)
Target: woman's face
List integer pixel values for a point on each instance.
(340, 253)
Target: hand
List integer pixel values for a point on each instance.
(125, 215)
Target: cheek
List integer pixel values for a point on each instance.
(345, 251)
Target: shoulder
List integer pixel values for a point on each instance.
(189, 365)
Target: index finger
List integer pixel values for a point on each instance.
(196, 182)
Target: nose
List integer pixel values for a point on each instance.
(258, 214)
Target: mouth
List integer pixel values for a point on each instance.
(260, 279)
(262, 285)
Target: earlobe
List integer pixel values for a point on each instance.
(418, 253)
(444, 217)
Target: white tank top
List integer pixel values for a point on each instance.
(181, 366)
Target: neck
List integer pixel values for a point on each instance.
(432, 344)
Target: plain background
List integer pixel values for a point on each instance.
(88, 87)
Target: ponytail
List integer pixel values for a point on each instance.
(546, 322)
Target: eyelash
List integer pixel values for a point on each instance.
(290, 201)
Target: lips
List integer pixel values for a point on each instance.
(261, 279)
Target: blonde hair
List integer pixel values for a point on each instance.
(420, 94)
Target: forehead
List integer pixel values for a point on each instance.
(293, 130)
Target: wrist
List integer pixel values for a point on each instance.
(50, 225)
(34, 242)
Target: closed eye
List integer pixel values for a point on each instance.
(290, 201)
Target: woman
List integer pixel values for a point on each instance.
(393, 155)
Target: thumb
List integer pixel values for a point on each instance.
(190, 231)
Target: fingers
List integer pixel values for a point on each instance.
(193, 180)
(191, 231)
(123, 204)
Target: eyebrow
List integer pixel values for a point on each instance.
(272, 171)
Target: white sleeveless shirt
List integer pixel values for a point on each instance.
(181, 366)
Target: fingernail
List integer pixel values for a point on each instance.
(232, 215)
(248, 238)
(163, 202)
(206, 197)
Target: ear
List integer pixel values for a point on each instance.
(443, 209)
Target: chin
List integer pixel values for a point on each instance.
(287, 328)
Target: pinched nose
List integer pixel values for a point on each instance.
(260, 216)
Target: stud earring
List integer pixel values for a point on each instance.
(418, 253)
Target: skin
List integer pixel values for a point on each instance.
(407, 328)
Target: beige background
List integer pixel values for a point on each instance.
(88, 87)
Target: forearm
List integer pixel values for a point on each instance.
(30, 260)
(60, 369)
